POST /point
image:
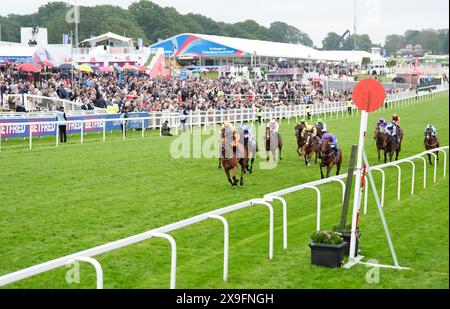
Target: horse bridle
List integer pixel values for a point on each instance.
(325, 154)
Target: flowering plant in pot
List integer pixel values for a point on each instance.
(327, 249)
(346, 235)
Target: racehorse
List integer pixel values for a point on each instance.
(311, 147)
(328, 158)
(250, 147)
(300, 140)
(319, 133)
(379, 141)
(232, 162)
(273, 141)
(431, 142)
(391, 145)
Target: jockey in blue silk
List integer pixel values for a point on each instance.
(381, 123)
(247, 132)
(432, 129)
(391, 129)
(433, 132)
(333, 141)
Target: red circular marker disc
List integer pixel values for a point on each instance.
(369, 95)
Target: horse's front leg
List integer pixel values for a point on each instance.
(220, 163)
(227, 172)
(279, 150)
(251, 165)
(321, 172)
(378, 150)
(429, 159)
(329, 167)
(385, 157)
(235, 171)
(242, 172)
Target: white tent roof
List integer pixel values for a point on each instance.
(107, 36)
(265, 48)
(353, 56)
(17, 51)
(285, 50)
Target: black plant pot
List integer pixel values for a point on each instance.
(328, 255)
(346, 236)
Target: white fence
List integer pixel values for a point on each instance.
(236, 116)
(162, 232)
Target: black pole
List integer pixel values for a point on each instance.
(348, 187)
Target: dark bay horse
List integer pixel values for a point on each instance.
(431, 142)
(273, 141)
(311, 147)
(232, 156)
(391, 145)
(328, 158)
(300, 140)
(379, 140)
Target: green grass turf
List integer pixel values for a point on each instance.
(57, 201)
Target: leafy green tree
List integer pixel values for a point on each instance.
(331, 41)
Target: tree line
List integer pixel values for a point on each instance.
(152, 22)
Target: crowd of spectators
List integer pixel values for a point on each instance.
(141, 93)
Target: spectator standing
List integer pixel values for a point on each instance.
(61, 118)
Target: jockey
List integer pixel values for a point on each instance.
(396, 120)
(247, 131)
(322, 125)
(381, 123)
(391, 129)
(433, 131)
(308, 128)
(273, 125)
(333, 142)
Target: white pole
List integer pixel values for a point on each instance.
(357, 193)
(104, 130)
(31, 136)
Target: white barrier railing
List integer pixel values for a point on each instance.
(213, 117)
(162, 232)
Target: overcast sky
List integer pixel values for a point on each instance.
(315, 17)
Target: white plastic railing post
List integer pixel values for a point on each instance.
(263, 202)
(97, 267)
(424, 171)
(225, 244)
(104, 131)
(413, 175)
(31, 136)
(285, 226)
(173, 259)
(343, 188)
(57, 134)
(440, 150)
(82, 133)
(143, 129)
(399, 180)
(318, 205)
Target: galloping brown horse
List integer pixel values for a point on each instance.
(379, 141)
(273, 141)
(329, 158)
(229, 156)
(391, 145)
(431, 142)
(311, 147)
(300, 140)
